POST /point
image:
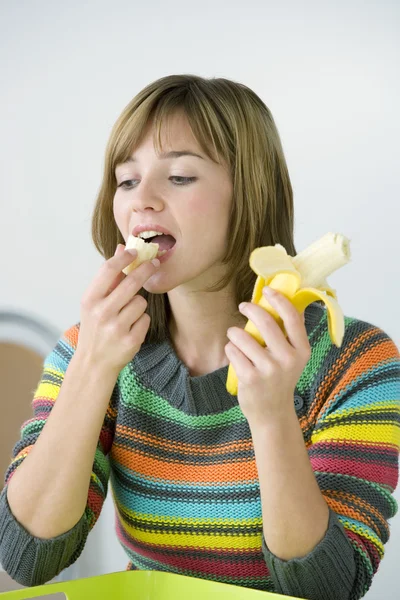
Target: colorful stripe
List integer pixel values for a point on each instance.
(185, 486)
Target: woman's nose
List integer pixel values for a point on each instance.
(146, 195)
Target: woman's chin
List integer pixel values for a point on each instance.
(155, 286)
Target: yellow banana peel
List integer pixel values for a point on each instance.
(302, 279)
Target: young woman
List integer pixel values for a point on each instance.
(287, 486)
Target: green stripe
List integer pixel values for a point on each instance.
(102, 462)
(319, 351)
(34, 427)
(135, 395)
(90, 516)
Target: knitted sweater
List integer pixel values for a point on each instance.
(178, 452)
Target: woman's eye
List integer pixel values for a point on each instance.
(183, 181)
(123, 184)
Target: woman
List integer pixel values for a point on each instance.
(286, 487)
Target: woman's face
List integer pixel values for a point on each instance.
(189, 196)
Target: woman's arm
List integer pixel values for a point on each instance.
(349, 466)
(48, 492)
(56, 500)
(297, 518)
(289, 491)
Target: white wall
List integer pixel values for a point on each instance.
(329, 72)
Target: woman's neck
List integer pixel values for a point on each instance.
(198, 327)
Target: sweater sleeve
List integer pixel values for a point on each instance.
(27, 559)
(354, 437)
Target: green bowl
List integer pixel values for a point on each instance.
(143, 585)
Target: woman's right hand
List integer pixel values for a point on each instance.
(113, 321)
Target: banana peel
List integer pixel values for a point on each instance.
(302, 280)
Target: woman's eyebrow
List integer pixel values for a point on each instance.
(166, 155)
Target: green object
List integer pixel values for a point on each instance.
(143, 585)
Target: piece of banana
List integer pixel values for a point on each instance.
(302, 279)
(146, 251)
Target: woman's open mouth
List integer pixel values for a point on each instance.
(166, 243)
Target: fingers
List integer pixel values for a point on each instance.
(133, 310)
(109, 272)
(238, 357)
(121, 276)
(293, 321)
(129, 286)
(291, 324)
(245, 348)
(141, 326)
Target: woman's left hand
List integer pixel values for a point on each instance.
(267, 376)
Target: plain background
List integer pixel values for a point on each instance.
(328, 71)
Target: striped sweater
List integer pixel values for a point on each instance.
(178, 453)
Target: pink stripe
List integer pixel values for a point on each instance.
(363, 470)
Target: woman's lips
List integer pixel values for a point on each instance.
(164, 257)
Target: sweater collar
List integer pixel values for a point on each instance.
(160, 369)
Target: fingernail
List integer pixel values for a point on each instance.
(268, 291)
(242, 305)
(156, 262)
(132, 251)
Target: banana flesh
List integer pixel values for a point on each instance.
(302, 279)
(146, 251)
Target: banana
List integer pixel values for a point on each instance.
(302, 279)
(146, 251)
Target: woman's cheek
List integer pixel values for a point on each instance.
(202, 205)
(119, 220)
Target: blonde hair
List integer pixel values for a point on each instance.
(231, 123)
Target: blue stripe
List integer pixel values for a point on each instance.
(230, 510)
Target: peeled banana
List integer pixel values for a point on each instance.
(145, 250)
(302, 279)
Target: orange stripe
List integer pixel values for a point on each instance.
(375, 355)
(342, 509)
(22, 453)
(111, 412)
(71, 335)
(367, 507)
(152, 467)
(187, 448)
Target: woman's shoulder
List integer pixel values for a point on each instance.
(355, 328)
(367, 352)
